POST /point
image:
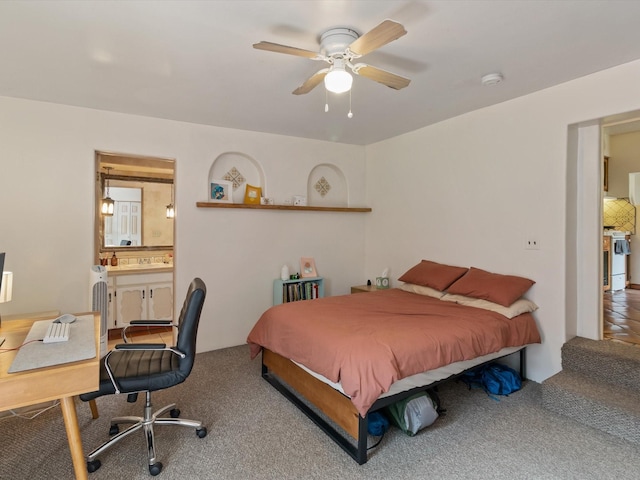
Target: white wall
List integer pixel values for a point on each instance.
(46, 212)
(468, 191)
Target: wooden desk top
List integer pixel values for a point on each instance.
(43, 384)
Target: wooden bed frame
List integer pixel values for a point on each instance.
(296, 384)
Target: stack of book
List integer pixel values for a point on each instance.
(293, 292)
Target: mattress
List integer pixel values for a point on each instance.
(425, 378)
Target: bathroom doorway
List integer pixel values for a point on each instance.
(134, 240)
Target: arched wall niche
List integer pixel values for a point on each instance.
(240, 169)
(327, 187)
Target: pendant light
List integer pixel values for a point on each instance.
(107, 203)
(171, 212)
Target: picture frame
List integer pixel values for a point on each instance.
(308, 267)
(221, 191)
(252, 195)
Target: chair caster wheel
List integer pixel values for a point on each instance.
(155, 469)
(201, 432)
(93, 466)
(174, 412)
(114, 430)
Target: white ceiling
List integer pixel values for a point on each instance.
(193, 60)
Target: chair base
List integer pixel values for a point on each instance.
(145, 423)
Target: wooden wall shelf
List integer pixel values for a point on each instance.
(282, 207)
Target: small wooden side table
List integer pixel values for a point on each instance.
(363, 288)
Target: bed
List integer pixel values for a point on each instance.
(351, 355)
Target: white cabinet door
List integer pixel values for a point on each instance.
(140, 297)
(131, 304)
(161, 301)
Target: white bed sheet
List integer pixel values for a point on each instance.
(425, 378)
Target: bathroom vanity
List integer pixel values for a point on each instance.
(139, 292)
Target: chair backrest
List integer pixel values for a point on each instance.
(188, 323)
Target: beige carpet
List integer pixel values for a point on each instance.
(255, 433)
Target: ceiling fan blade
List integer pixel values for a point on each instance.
(311, 83)
(276, 47)
(386, 32)
(381, 76)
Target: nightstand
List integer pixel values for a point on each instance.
(363, 288)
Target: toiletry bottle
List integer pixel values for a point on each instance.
(114, 260)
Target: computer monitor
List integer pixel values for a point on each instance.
(1, 268)
(1, 275)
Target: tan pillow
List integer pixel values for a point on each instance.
(518, 307)
(421, 290)
(432, 274)
(502, 289)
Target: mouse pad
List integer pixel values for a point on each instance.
(80, 346)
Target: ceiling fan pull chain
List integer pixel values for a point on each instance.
(326, 101)
(350, 114)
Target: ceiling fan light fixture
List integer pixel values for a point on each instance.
(338, 80)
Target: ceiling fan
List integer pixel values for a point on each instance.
(339, 47)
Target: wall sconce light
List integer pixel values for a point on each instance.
(338, 80)
(171, 212)
(107, 203)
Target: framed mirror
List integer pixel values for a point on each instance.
(140, 188)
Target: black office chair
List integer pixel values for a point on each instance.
(145, 367)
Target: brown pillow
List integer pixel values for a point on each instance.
(501, 289)
(432, 274)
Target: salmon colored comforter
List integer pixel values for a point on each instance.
(368, 341)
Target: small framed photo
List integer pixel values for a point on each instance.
(221, 191)
(252, 195)
(308, 267)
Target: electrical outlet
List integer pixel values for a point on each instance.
(531, 243)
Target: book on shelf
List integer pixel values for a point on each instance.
(297, 289)
(294, 292)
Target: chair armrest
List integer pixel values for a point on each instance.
(146, 346)
(140, 346)
(152, 323)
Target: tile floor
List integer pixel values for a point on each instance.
(622, 316)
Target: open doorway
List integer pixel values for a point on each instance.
(621, 245)
(134, 239)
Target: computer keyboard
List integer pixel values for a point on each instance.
(57, 332)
